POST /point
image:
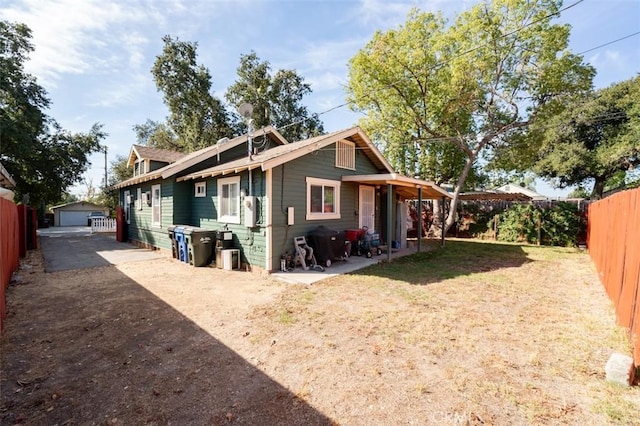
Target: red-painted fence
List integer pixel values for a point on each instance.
(9, 249)
(613, 238)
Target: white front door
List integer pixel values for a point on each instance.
(367, 206)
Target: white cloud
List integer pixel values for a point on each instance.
(70, 36)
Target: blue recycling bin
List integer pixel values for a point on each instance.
(183, 254)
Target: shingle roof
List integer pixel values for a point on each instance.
(155, 154)
(196, 157)
(281, 154)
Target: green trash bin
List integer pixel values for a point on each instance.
(199, 245)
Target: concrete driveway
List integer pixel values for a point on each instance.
(75, 247)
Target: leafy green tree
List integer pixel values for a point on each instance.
(118, 171)
(197, 117)
(43, 158)
(589, 138)
(157, 135)
(276, 99)
(471, 84)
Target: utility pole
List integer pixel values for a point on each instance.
(105, 167)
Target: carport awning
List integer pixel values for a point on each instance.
(405, 186)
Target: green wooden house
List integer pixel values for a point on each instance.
(339, 180)
(153, 199)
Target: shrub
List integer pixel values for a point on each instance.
(562, 225)
(559, 226)
(519, 223)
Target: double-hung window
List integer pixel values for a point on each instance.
(323, 199)
(229, 200)
(156, 206)
(127, 206)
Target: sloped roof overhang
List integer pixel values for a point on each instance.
(196, 157)
(6, 179)
(283, 154)
(405, 186)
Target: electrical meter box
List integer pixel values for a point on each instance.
(250, 210)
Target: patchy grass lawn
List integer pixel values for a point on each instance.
(476, 333)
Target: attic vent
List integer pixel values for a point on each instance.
(346, 155)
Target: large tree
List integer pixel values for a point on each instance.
(43, 158)
(276, 98)
(157, 135)
(197, 117)
(588, 139)
(471, 84)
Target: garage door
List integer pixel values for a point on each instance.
(73, 218)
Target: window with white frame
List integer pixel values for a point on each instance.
(346, 155)
(323, 199)
(156, 202)
(201, 189)
(229, 200)
(139, 198)
(127, 206)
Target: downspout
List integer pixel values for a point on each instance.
(419, 219)
(250, 152)
(389, 219)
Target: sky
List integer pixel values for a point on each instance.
(94, 57)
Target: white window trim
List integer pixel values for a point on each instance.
(228, 218)
(344, 148)
(336, 194)
(200, 185)
(139, 198)
(154, 204)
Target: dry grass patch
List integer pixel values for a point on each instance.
(477, 332)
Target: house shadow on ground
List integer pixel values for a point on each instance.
(114, 353)
(457, 258)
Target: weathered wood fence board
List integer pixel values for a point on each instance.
(9, 249)
(613, 240)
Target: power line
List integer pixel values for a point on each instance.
(470, 51)
(611, 42)
(442, 63)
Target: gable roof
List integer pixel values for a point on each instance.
(192, 159)
(282, 154)
(6, 179)
(154, 154)
(81, 203)
(514, 187)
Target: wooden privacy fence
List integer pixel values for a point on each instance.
(613, 239)
(9, 249)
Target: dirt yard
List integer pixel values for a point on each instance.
(473, 334)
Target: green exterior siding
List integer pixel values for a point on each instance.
(290, 189)
(140, 227)
(180, 206)
(250, 241)
(155, 165)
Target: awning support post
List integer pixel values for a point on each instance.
(389, 219)
(443, 220)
